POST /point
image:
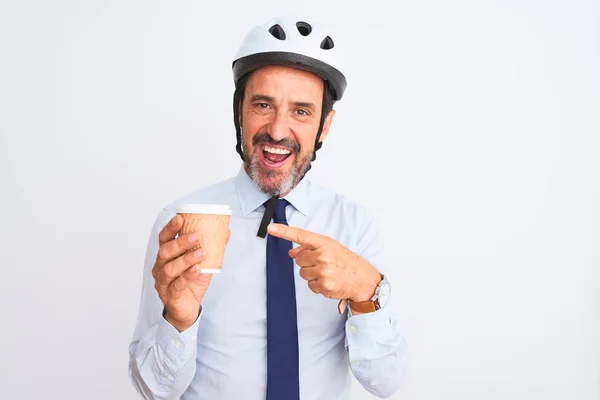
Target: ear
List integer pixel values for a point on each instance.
(327, 125)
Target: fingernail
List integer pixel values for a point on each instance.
(193, 237)
(199, 253)
(272, 228)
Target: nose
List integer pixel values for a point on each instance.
(279, 127)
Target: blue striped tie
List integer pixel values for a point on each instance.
(282, 326)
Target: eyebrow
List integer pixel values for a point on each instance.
(270, 99)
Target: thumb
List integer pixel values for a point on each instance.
(295, 251)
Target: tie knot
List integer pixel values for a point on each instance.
(279, 212)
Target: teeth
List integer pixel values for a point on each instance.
(276, 151)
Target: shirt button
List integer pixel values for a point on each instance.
(177, 343)
(357, 363)
(352, 328)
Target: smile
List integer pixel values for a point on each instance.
(275, 157)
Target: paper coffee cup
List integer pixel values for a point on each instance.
(211, 223)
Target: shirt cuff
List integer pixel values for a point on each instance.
(179, 346)
(368, 335)
(375, 319)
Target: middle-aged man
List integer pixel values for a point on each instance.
(295, 311)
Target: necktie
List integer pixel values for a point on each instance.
(282, 326)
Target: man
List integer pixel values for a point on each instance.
(281, 321)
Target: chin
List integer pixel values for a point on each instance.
(271, 181)
(274, 185)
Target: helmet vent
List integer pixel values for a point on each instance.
(304, 28)
(327, 43)
(277, 32)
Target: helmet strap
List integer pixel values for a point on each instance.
(318, 143)
(237, 96)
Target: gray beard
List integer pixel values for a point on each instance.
(287, 181)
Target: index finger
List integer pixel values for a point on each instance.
(170, 230)
(302, 237)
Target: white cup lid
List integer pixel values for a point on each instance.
(219, 209)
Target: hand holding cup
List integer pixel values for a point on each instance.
(191, 249)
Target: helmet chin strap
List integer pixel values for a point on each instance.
(318, 143)
(237, 97)
(267, 216)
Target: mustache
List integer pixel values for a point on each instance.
(265, 138)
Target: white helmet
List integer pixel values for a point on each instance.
(295, 43)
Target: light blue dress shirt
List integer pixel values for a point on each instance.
(223, 355)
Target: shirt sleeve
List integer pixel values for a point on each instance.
(375, 341)
(162, 360)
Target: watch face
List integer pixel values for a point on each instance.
(384, 294)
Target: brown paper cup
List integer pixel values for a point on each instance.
(211, 223)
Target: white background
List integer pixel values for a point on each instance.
(470, 128)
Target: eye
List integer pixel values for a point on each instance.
(302, 112)
(262, 106)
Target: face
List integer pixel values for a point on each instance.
(280, 118)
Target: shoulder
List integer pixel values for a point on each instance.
(349, 222)
(342, 217)
(333, 202)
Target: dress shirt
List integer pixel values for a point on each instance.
(223, 355)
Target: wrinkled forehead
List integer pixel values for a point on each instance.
(282, 81)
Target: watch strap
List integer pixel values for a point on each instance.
(363, 306)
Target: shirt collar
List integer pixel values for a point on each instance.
(252, 198)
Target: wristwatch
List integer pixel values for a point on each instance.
(379, 299)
